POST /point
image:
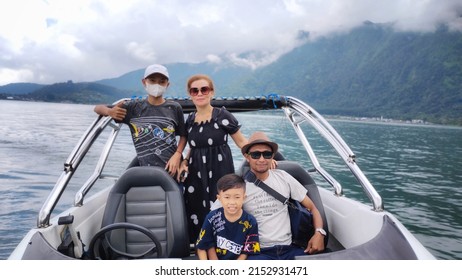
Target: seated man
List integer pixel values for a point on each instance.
(272, 215)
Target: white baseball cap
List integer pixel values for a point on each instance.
(156, 68)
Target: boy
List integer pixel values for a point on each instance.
(154, 122)
(228, 233)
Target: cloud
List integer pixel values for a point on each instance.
(86, 40)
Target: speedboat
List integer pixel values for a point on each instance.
(138, 211)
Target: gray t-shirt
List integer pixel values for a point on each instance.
(154, 129)
(271, 214)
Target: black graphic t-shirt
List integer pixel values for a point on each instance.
(154, 129)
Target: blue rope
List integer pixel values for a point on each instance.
(133, 97)
(273, 97)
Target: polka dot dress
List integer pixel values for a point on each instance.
(210, 159)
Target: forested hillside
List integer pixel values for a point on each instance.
(69, 92)
(371, 71)
(374, 71)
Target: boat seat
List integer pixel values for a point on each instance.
(149, 197)
(297, 171)
(134, 162)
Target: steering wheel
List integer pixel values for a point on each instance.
(100, 243)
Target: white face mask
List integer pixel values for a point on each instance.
(155, 90)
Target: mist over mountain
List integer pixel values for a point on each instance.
(371, 71)
(374, 71)
(224, 75)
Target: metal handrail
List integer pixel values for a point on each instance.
(80, 195)
(296, 125)
(72, 163)
(331, 135)
(70, 166)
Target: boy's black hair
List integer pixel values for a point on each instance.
(230, 181)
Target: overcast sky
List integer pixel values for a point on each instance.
(49, 41)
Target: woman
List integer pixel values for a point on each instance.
(209, 157)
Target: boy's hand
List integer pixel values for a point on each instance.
(173, 164)
(117, 112)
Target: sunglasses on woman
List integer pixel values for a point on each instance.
(257, 154)
(195, 91)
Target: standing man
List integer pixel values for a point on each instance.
(154, 122)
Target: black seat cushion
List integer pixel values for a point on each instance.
(149, 197)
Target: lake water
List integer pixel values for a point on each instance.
(416, 169)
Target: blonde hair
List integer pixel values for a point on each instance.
(197, 77)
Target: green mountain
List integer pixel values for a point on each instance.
(69, 92)
(371, 71)
(19, 88)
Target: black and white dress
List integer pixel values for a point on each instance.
(210, 159)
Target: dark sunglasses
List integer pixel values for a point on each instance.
(195, 91)
(257, 155)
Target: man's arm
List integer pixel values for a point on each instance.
(316, 243)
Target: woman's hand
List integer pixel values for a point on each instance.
(274, 164)
(182, 171)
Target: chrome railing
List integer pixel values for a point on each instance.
(299, 112)
(78, 201)
(72, 163)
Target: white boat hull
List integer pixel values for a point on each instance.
(356, 230)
